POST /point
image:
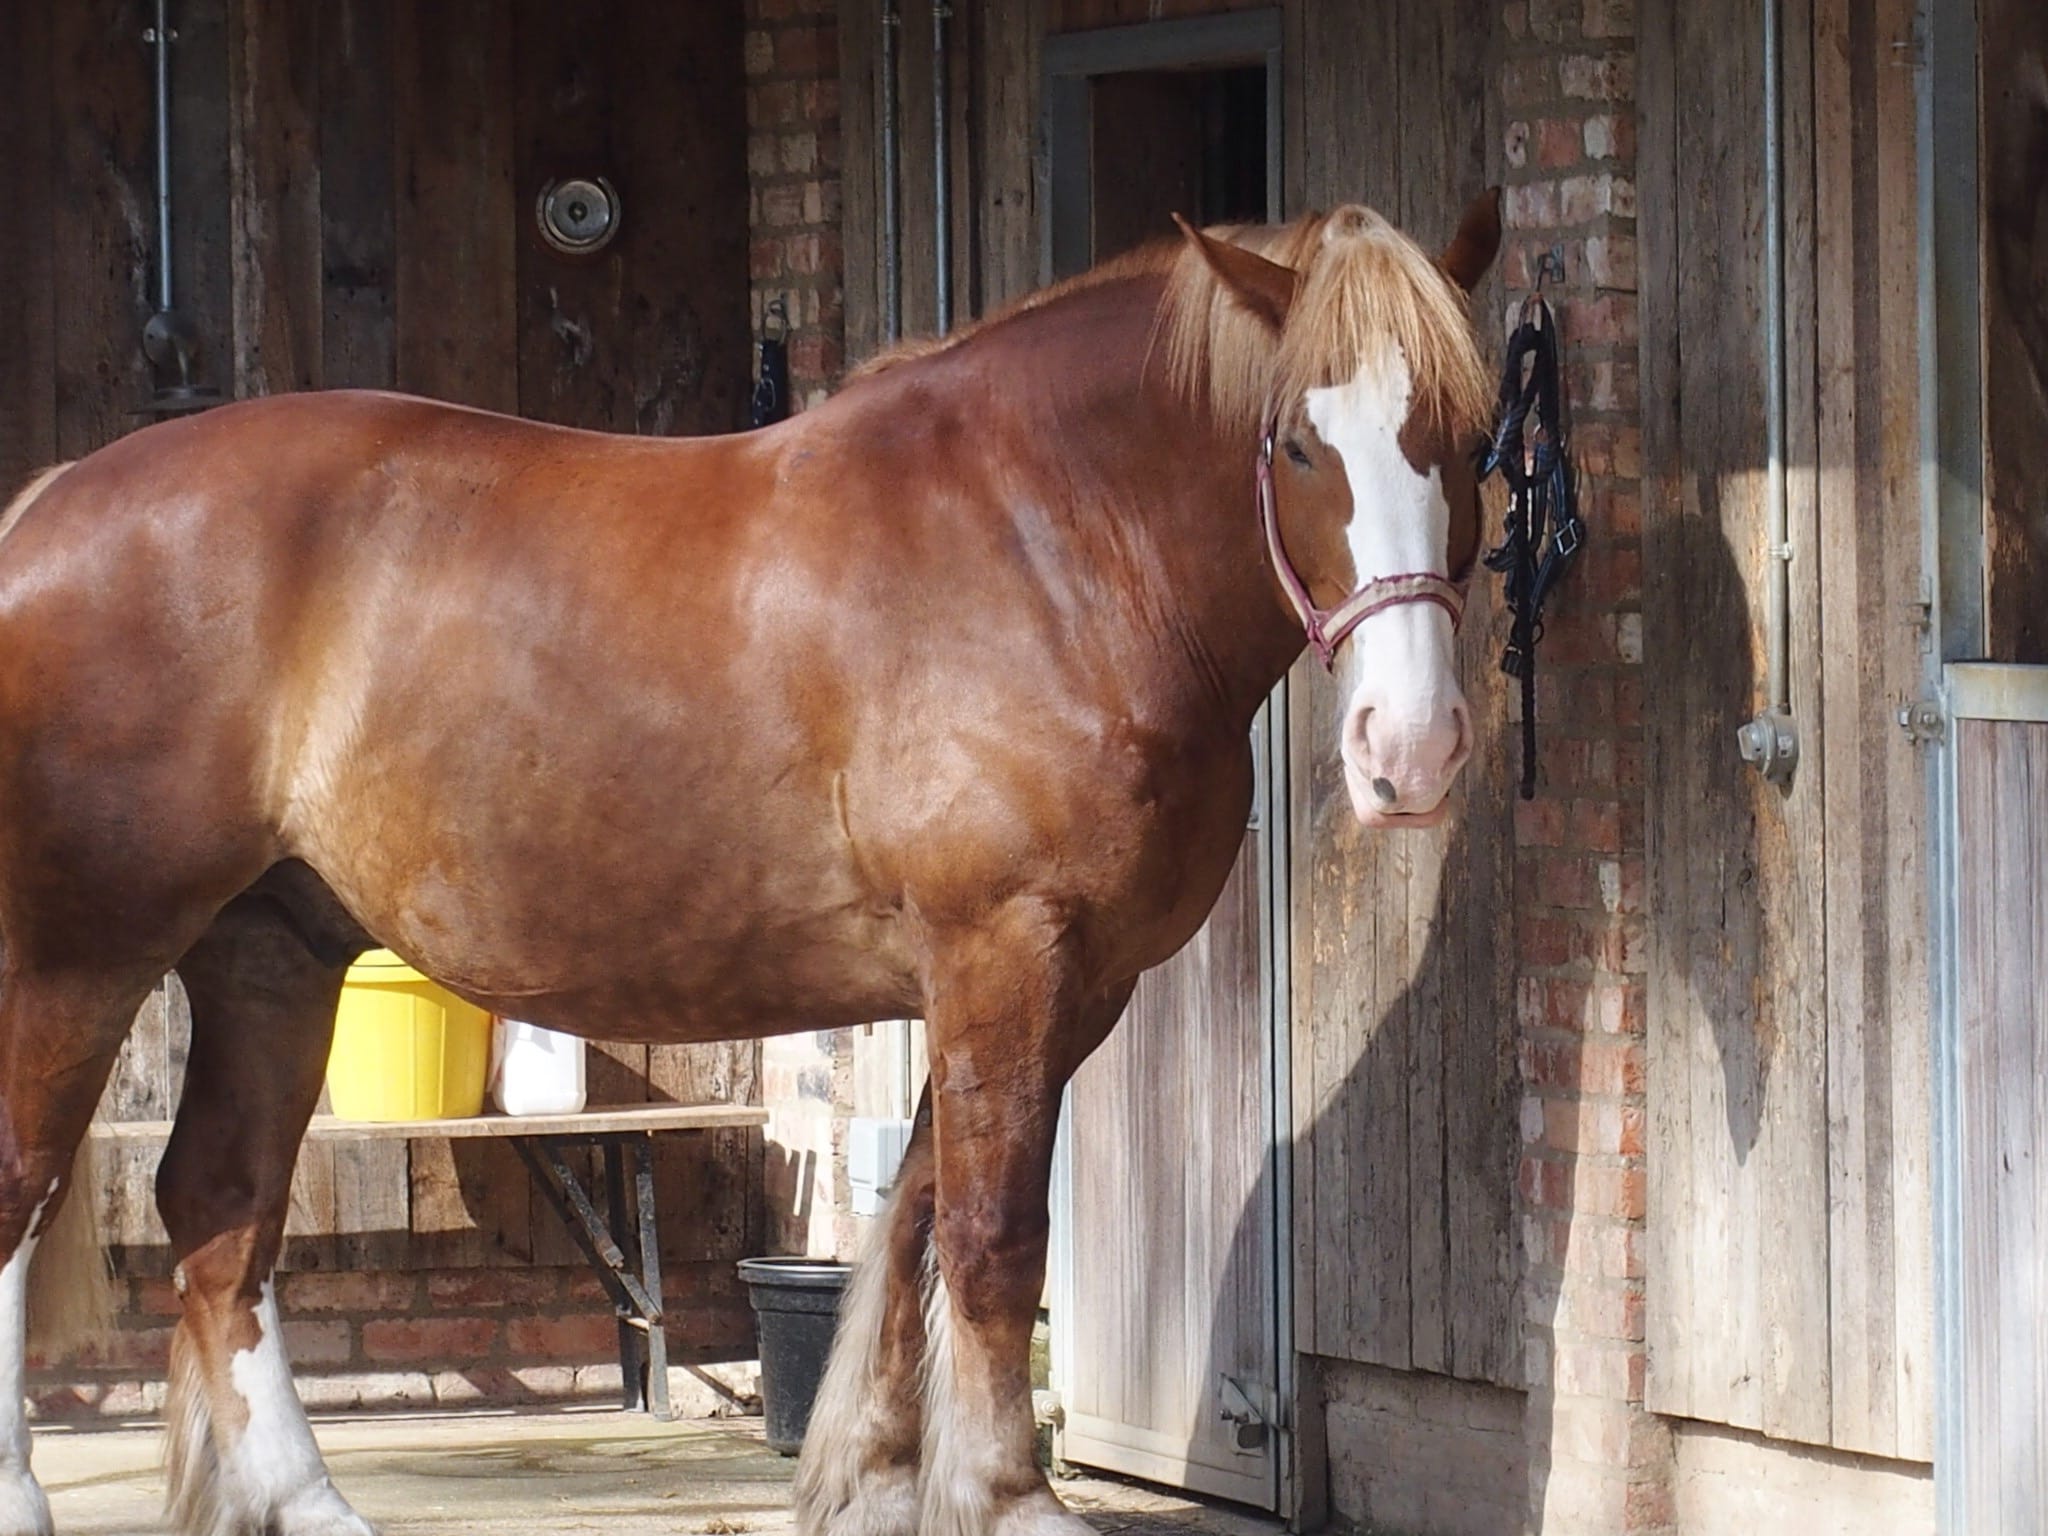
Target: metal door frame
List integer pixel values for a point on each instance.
(1066, 192)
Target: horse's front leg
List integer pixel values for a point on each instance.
(858, 1475)
(1008, 1026)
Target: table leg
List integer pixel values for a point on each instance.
(634, 1332)
(650, 1277)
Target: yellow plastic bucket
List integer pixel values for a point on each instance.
(405, 1048)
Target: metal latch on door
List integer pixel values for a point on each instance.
(1239, 1410)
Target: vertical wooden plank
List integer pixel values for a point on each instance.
(1880, 1177)
(1738, 1165)
(574, 353)
(274, 194)
(102, 225)
(28, 368)
(860, 196)
(1667, 1263)
(457, 213)
(708, 1185)
(683, 301)
(2014, 115)
(1006, 100)
(358, 193)
(2002, 934)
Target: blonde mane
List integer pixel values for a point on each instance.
(1365, 288)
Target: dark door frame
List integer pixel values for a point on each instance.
(1072, 60)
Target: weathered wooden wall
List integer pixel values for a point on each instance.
(2002, 1065)
(1790, 1266)
(1404, 1065)
(2014, 94)
(354, 199)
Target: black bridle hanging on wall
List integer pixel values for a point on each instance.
(1543, 530)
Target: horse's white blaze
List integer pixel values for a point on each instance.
(274, 1468)
(23, 1509)
(1403, 716)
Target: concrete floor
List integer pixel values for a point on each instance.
(556, 1474)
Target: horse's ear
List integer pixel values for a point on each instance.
(1476, 243)
(1263, 288)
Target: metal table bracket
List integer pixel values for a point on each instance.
(625, 1249)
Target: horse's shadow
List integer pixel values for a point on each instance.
(1512, 1152)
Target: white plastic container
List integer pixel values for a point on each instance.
(536, 1071)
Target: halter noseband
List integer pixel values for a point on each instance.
(1329, 628)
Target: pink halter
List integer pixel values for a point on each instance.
(1329, 628)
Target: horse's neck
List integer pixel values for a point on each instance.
(1175, 501)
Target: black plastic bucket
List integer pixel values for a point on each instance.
(796, 1309)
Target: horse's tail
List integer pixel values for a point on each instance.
(70, 1286)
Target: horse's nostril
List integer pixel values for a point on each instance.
(1383, 791)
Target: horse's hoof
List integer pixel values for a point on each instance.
(883, 1505)
(23, 1509)
(1040, 1516)
(320, 1511)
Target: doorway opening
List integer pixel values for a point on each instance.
(1170, 1304)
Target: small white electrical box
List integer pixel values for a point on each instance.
(874, 1151)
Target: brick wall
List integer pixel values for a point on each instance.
(448, 1338)
(792, 53)
(1597, 1461)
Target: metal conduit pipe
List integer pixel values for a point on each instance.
(1770, 742)
(161, 41)
(169, 339)
(942, 169)
(892, 252)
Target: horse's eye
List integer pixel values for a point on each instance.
(1299, 454)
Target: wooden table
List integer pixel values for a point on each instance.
(625, 1249)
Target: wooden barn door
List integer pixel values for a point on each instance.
(1166, 1312)
(2000, 796)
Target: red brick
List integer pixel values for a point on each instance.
(1559, 142)
(1610, 77)
(1611, 136)
(468, 1288)
(324, 1343)
(438, 1339)
(759, 54)
(581, 1337)
(344, 1290)
(1528, 80)
(1608, 18)
(782, 206)
(1515, 147)
(1539, 823)
(1595, 825)
(156, 1298)
(807, 51)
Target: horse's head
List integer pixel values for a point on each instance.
(1371, 394)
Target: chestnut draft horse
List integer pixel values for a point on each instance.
(932, 701)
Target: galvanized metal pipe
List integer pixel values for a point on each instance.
(1780, 596)
(161, 37)
(892, 250)
(942, 169)
(1770, 742)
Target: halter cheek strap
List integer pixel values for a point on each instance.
(1328, 628)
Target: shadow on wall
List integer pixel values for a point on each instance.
(1437, 1452)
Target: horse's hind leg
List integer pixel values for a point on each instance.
(242, 1457)
(858, 1475)
(59, 1034)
